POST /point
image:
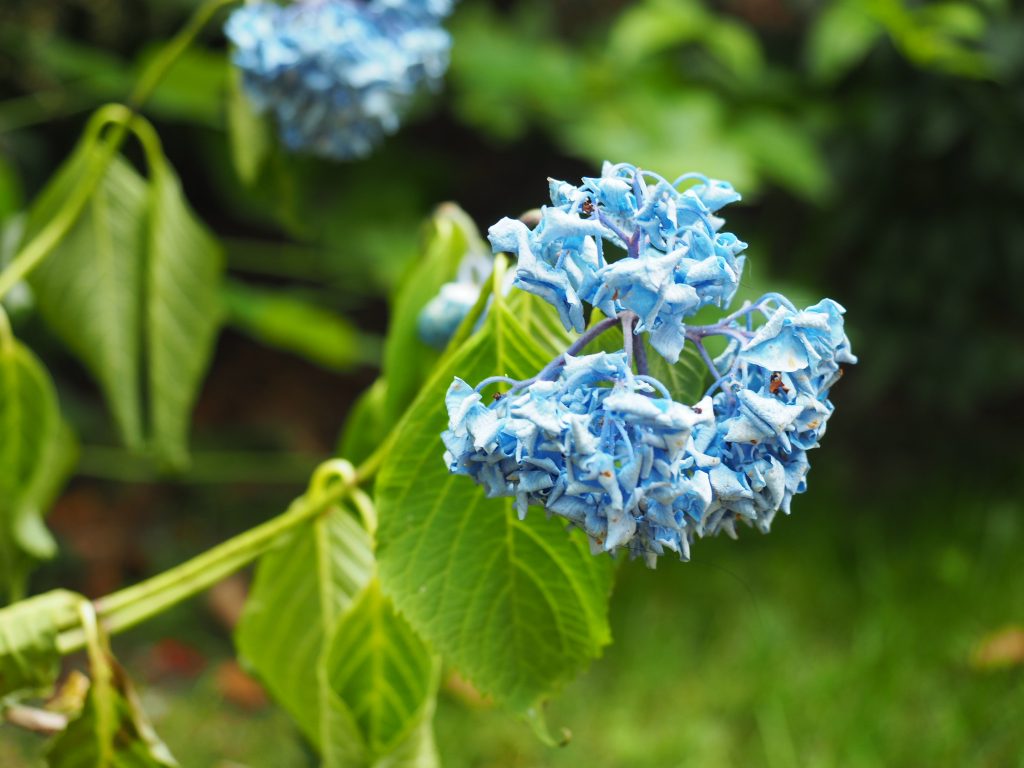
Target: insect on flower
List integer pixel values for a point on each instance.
(775, 384)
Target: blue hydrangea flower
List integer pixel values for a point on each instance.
(771, 410)
(442, 315)
(338, 74)
(600, 446)
(592, 441)
(676, 258)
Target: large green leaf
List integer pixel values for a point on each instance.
(378, 682)
(300, 590)
(518, 606)
(29, 658)
(35, 456)
(132, 291)
(330, 647)
(111, 731)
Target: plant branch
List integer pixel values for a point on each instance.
(133, 605)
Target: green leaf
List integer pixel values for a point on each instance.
(132, 290)
(686, 380)
(653, 26)
(36, 452)
(287, 321)
(249, 134)
(29, 658)
(88, 288)
(300, 590)
(183, 269)
(111, 731)
(379, 681)
(519, 607)
(331, 649)
(407, 360)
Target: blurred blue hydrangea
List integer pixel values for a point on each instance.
(676, 258)
(338, 74)
(596, 446)
(442, 315)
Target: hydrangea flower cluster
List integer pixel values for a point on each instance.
(338, 74)
(679, 260)
(600, 446)
(605, 446)
(771, 409)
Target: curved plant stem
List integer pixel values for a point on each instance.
(40, 246)
(133, 605)
(161, 64)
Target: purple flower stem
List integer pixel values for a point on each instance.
(633, 246)
(498, 380)
(612, 226)
(641, 357)
(549, 371)
(699, 343)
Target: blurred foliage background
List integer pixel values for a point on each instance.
(878, 145)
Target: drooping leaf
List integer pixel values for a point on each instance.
(183, 268)
(111, 731)
(289, 322)
(449, 235)
(132, 291)
(29, 658)
(88, 288)
(519, 607)
(301, 588)
(36, 452)
(378, 682)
